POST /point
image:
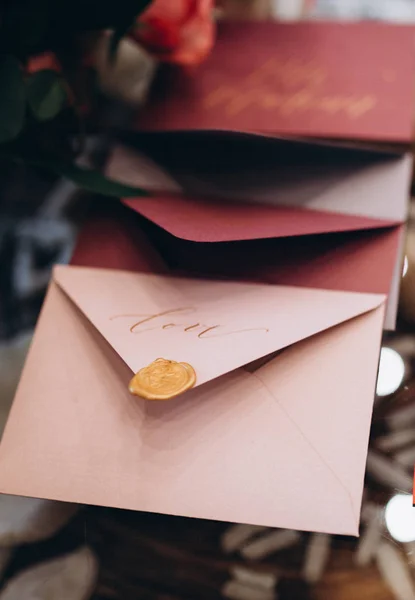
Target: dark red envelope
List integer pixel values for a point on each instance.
(334, 222)
(205, 219)
(326, 80)
(360, 261)
(114, 238)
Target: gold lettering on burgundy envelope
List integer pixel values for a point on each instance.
(288, 87)
(168, 319)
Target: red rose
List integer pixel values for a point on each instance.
(40, 62)
(177, 31)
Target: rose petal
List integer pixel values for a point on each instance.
(43, 61)
(179, 32)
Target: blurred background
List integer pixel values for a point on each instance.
(51, 551)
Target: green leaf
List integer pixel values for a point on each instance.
(87, 179)
(95, 182)
(46, 94)
(12, 98)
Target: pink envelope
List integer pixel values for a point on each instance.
(280, 442)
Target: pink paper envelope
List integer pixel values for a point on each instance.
(280, 443)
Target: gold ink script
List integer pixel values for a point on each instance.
(288, 88)
(164, 321)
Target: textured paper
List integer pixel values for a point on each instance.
(215, 326)
(242, 447)
(296, 79)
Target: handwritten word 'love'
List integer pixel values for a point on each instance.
(161, 321)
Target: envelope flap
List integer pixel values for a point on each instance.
(202, 219)
(267, 198)
(215, 326)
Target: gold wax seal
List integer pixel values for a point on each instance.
(163, 379)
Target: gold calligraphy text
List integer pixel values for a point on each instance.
(289, 88)
(163, 321)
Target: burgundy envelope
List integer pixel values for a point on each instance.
(115, 238)
(360, 261)
(325, 80)
(310, 215)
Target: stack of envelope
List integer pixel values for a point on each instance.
(269, 265)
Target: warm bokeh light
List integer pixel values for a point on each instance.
(405, 266)
(391, 372)
(400, 518)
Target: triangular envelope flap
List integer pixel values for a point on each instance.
(215, 326)
(202, 219)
